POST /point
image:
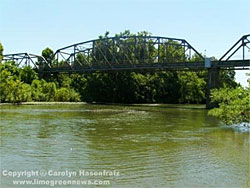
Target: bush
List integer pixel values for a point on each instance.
(66, 94)
(49, 91)
(234, 105)
(62, 94)
(17, 92)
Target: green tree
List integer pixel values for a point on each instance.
(49, 56)
(43, 91)
(1, 52)
(227, 79)
(234, 105)
(66, 94)
(37, 90)
(63, 94)
(64, 80)
(27, 75)
(49, 91)
(192, 88)
(79, 83)
(11, 67)
(12, 89)
(4, 77)
(17, 91)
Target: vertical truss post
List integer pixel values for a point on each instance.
(57, 62)
(74, 56)
(184, 51)
(166, 50)
(93, 54)
(158, 50)
(135, 51)
(112, 51)
(243, 49)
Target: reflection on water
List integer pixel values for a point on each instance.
(151, 146)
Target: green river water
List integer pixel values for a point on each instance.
(143, 146)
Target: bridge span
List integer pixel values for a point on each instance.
(133, 53)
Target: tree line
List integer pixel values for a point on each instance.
(20, 84)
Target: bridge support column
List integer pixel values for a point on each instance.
(213, 82)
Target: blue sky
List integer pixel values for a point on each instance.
(211, 25)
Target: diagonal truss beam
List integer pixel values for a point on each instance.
(243, 43)
(26, 58)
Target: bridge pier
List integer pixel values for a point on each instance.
(213, 82)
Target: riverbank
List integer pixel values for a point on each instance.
(42, 103)
(188, 106)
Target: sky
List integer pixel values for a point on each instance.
(210, 26)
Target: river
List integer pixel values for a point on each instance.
(139, 146)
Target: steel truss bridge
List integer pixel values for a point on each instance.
(134, 53)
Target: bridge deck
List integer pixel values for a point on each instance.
(229, 65)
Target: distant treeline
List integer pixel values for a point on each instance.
(23, 84)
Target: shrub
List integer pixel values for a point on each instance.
(234, 105)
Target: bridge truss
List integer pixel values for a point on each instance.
(123, 53)
(133, 53)
(27, 59)
(243, 45)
